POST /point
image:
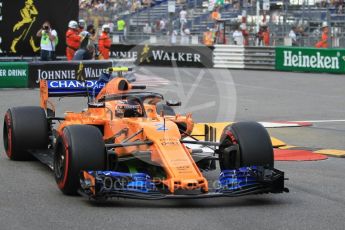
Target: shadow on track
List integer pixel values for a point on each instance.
(249, 201)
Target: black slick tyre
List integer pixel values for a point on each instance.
(25, 128)
(245, 144)
(79, 147)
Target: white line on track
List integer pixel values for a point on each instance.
(321, 121)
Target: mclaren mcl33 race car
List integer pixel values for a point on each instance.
(130, 143)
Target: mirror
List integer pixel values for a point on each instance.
(173, 103)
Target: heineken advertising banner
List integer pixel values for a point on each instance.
(64, 70)
(13, 74)
(21, 19)
(310, 60)
(188, 56)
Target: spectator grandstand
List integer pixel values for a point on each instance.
(142, 16)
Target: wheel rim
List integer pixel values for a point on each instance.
(60, 164)
(231, 160)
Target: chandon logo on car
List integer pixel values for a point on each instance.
(75, 84)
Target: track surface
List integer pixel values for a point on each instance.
(30, 198)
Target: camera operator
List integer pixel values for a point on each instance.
(49, 41)
(92, 32)
(86, 50)
(93, 38)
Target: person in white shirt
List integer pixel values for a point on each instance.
(162, 26)
(293, 36)
(238, 37)
(49, 40)
(185, 34)
(183, 17)
(147, 29)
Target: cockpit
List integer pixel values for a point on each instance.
(131, 104)
(128, 108)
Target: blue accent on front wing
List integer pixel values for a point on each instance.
(112, 181)
(230, 180)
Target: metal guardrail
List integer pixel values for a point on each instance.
(243, 57)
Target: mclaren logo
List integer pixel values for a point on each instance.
(29, 14)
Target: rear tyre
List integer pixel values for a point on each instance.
(80, 147)
(254, 147)
(25, 128)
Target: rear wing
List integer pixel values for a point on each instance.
(74, 88)
(71, 88)
(67, 88)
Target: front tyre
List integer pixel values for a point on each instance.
(245, 144)
(79, 147)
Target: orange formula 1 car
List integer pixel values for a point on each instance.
(128, 143)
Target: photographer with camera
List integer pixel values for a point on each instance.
(49, 40)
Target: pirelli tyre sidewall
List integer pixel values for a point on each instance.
(254, 146)
(25, 129)
(79, 147)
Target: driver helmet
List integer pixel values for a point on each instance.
(128, 108)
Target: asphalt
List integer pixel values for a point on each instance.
(30, 198)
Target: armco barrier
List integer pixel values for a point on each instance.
(259, 58)
(13, 74)
(243, 57)
(310, 59)
(227, 56)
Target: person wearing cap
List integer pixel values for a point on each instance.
(104, 42)
(323, 43)
(81, 25)
(72, 39)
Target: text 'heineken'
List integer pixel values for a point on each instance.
(310, 61)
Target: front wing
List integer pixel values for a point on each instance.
(231, 183)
